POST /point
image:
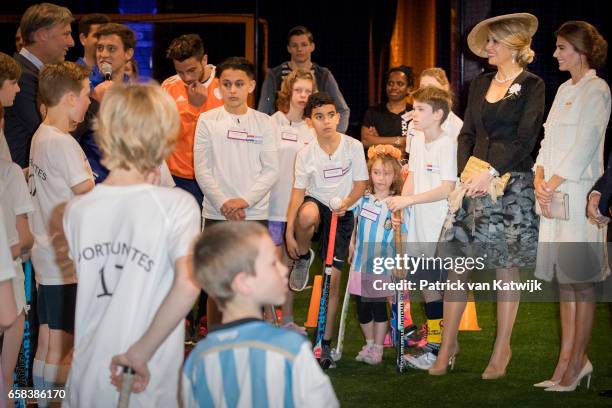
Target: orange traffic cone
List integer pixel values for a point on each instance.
(315, 300)
(469, 320)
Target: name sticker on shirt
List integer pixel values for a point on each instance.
(432, 168)
(244, 136)
(238, 134)
(292, 137)
(332, 172)
(371, 212)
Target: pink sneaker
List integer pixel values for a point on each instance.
(374, 356)
(365, 350)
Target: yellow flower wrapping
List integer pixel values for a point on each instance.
(384, 149)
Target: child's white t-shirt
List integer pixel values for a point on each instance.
(6, 260)
(292, 136)
(5, 152)
(235, 156)
(325, 177)
(57, 163)
(430, 163)
(125, 242)
(451, 126)
(15, 196)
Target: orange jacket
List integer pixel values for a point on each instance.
(180, 161)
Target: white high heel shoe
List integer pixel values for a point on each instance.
(586, 371)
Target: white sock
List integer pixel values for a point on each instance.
(369, 342)
(55, 375)
(38, 370)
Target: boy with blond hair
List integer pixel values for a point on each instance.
(246, 361)
(58, 171)
(432, 177)
(131, 242)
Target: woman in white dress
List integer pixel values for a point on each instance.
(570, 161)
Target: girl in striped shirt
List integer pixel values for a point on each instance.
(373, 238)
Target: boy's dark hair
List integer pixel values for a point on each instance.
(9, 69)
(404, 70)
(128, 38)
(317, 100)
(88, 20)
(222, 251)
(300, 30)
(437, 98)
(185, 47)
(237, 63)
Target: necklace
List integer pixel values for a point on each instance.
(510, 78)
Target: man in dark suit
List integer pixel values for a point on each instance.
(47, 35)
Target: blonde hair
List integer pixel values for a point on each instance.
(56, 80)
(223, 251)
(283, 99)
(43, 15)
(440, 76)
(514, 34)
(137, 126)
(436, 98)
(436, 73)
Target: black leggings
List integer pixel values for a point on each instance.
(369, 309)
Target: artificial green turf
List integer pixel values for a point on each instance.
(535, 344)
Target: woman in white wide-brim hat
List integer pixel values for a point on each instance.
(501, 126)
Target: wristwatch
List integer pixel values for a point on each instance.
(493, 172)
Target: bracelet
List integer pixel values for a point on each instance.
(493, 172)
(398, 141)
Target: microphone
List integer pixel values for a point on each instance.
(107, 71)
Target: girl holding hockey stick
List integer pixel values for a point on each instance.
(374, 237)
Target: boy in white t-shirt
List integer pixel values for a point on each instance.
(432, 177)
(131, 242)
(17, 204)
(235, 154)
(58, 171)
(331, 166)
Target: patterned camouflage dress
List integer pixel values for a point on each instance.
(504, 232)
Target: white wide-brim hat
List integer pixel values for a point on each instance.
(477, 38)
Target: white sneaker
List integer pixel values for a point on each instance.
(423, 361)
(300, 273)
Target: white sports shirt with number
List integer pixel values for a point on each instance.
(292, 136)
(431, 163)
(57, 163)
(325, 177)
(235, 156)
(125, 242)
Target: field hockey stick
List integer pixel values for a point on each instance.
(399, 300)
(322, 318)
(126, 387)
(271, 309)
(337, 352)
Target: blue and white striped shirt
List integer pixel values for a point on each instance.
(372, 238)
(250, 363)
